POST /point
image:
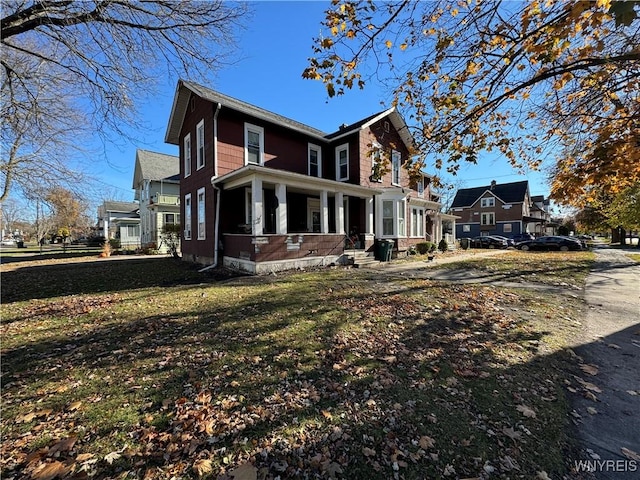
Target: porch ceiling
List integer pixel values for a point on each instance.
(294, 181)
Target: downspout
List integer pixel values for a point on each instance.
(216, 232)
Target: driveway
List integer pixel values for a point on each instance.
(608, 420)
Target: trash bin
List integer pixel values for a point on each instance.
(20, 244)
(385, 248)
(465, 243)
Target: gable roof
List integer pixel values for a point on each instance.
(156, 167)
(120, 207)
(186, 88)
(507, 192)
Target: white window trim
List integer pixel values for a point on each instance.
(200, 148)
(248, 127)
(420, 187)
(487, 214)
(419, 211)
(201, 221)
(376, 158)
(310, 147)
(487, 202)
(187, 216)
(399, 202)
(187, 155)
(395, 167)
(340, 148)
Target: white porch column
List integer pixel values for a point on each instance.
(257, 208)
(369, 215)
(438, 227)
(281, 223)
(324, 212)
(339, 200)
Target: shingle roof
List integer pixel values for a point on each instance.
(122, 207)
(185, 88)
(156, 166)
(507, 192)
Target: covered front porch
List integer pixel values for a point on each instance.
(274, 220)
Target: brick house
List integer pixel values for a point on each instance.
(261, 192)
(495, 209)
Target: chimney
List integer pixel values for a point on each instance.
(493, 184)
(343, 126)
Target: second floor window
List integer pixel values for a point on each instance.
(395, 167)
(253, 144)
(488, 219)
(187, 155)
(315, 161)
(200, 145)
(342, 162)
(420, 187)
(487, 202)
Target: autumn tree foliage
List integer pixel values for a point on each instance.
(71, 70)
(528, 80)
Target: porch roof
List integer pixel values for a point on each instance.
(243, 176)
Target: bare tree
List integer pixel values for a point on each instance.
(75, 67)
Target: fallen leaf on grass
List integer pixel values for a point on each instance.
(111, 457)
(630, 454)
(592, 410)
(49, 471)
(426, 442)
(590, 369)
(511, 433)
(74, 406)
(202, 467)
(542, 476)
(526, 411)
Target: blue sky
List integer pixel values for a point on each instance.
(273, 52)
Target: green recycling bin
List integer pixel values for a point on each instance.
(385, 249)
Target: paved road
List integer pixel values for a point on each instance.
(611, 342)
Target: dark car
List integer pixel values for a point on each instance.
(522, 237)
(510, 241)
(551, 243)
(488, 241)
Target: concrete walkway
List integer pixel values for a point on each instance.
(608, 423)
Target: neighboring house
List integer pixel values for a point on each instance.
(261, 192)
(541, 211)
(156, 180)
(120, 220)
(496, 209)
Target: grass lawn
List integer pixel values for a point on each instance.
(145, 368)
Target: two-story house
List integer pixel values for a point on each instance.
(495, 209)
(156, 181)
(261, 192)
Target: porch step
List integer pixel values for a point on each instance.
(361, 258)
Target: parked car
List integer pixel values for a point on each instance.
(510, 241)
(522, 237)
(488, 241)
(8, 242)
(551, 243)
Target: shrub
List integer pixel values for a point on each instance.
(425, 247)
(443, 246)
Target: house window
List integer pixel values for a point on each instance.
(466, 228)
(315, 160)
(201, 214)
(342, 162)
(420, 187)
(417, 222)
(402, 228)
(488, 219)
(387, 217)
(395, 167)
(200, 145)
(169, 218)
(187, 216)
(386, 126)
(377, 163)
(506, 228)
(187, 155)
(487, 202)
(133, 230)
(253, 144)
